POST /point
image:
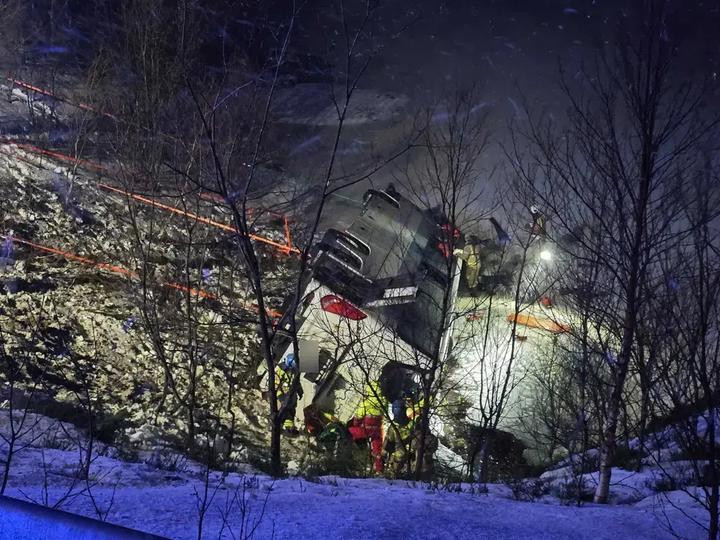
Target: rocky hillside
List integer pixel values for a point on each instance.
(142, 309)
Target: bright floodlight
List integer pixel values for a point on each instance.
(546, 255)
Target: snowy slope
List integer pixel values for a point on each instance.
(164, 500)
(167, 505)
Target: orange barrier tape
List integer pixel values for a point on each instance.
(16, 156)
(214, 197)
(288, 238)
(116, 269)
(37, 89)
(196, 217)
(284, 248)
(88, 164)
(192, 290)
(112, 268)
(78, 258)
(539, 323)
(31, 148)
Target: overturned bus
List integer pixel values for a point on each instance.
(382, 290)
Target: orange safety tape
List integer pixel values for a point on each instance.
(192, 290)
(167, 207)
(16, 156)
(60, 156)
(116, 269)
(212, 197)
(83, 106)
(284, 248)
(288, 238)
(197, 217)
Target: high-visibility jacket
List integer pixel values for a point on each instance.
(373, 403)
(283, 381)
(402, 442)
(471, 256)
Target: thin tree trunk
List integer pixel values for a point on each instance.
(714, 528)
(8, 461)
(609, 443)
(484, 455)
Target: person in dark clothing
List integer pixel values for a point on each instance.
(390, 190)
(503, 238)
(397, 385)
(391, 380)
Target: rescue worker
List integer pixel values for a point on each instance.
(537, 228)
(471, 255)
(397, 449)
(367, 423)
(284, 373)
(392, 381)
(324, 425)
(402, 444)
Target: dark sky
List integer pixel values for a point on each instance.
(511, 48)
(501, 44)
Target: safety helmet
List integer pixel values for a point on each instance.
(534, 209)
(289, 362)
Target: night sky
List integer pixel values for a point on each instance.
(511, 49)
(504, 44)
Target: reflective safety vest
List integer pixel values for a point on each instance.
(471, 256)
(283, 380)
(373, 403)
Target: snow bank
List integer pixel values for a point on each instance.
(165, 502)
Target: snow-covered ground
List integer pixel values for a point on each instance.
(166, 503)
(161, 494)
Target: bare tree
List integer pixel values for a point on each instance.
(502, 321)
(12, 13)
(231, 158)
(630, 136)
(685, 389)
(20, 385)
(443, 177)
